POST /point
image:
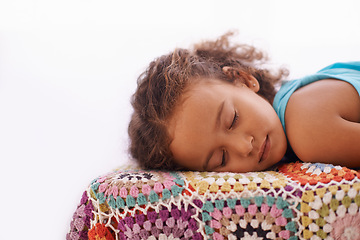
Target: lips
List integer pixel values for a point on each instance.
(264, 150)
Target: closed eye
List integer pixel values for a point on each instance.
(234, 121)
(223, 159)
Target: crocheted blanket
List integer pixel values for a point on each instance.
(295, 201)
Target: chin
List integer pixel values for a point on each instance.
(278, 158)
(279, 154)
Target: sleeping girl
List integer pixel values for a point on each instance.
(215, 107)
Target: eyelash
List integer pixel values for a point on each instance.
(234, 121)
(223, 159)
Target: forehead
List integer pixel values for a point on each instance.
(199, 90)
(195, 96)
(197, 100)
(192, 123)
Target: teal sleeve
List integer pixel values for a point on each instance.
(349, 72)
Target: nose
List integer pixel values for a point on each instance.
(241, 145)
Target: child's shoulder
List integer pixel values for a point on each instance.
(319, 116)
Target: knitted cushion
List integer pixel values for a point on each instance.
(295, 201)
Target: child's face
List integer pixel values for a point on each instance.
(220, 126)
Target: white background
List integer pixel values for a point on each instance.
(69, 67)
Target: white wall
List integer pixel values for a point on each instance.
(68, 68)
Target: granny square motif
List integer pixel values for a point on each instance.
(294, 201)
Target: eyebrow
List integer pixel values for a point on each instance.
(217, 125)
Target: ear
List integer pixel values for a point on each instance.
(242, 77)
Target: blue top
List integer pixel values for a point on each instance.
(349, 72)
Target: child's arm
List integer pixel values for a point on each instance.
(322, 123)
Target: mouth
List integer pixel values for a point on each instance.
(264, 150)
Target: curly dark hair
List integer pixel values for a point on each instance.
(167, 77)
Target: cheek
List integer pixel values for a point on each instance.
(259, 107)
(241, 166)
(268, 114)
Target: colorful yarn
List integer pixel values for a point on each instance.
(265, 219)
(294, 201)
(313, 173)
(80, 223)
(100, 232)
